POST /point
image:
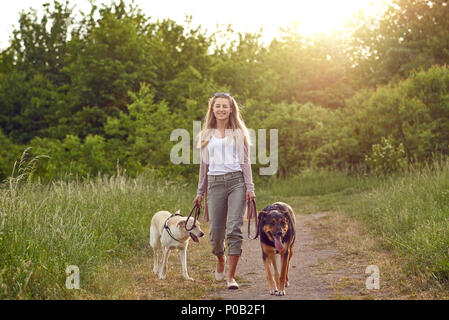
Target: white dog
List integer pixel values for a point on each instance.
(169, 232)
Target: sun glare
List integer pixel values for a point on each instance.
(324, 16)
(307, 17)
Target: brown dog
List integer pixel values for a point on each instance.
(277, 235)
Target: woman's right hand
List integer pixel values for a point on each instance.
(197, 201)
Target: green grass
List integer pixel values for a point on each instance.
(410, 214)
(45, 228)
(313, 190)
(103, 222)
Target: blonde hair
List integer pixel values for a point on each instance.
(235, 124)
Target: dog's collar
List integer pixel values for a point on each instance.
(166, 227)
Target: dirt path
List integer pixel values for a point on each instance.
(311, 276)
(331, 254)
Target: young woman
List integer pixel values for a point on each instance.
(225, 174)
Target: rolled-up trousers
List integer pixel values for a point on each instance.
(226, 200)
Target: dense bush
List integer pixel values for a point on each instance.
(108, 90)
(386, 158)
(8, 154)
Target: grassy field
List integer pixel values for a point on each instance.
(410, 214)
(102, 224)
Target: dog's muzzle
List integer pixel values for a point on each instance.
(195, 238)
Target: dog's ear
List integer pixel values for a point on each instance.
(182, 223)
(178, 211)
(285, 214)
(262, 215)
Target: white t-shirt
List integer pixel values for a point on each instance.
(223, 158)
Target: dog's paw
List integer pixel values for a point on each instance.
(281, 293)
(189, 278)
(274, 292)
(161, 276)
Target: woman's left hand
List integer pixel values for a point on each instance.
(250, 195)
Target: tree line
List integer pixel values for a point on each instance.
(103, 90)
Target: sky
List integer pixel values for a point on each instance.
(314, 16)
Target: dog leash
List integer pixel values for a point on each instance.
(253, 213)
(195, 217)
(167, 228)
(251, 204)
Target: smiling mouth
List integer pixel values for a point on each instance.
(194, 237)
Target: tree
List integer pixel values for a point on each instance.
(104, 62)
(31, 75)
(411, 35)
(39, 46)
(140, 137)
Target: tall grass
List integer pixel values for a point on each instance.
(45, 228)
(313, 182)
(410, 214)
(91, 222)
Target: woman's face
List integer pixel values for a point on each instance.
(222, 109)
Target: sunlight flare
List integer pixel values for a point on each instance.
(324, 16)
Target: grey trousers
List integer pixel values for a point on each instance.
(226, 193)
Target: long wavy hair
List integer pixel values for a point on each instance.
(238, 129)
